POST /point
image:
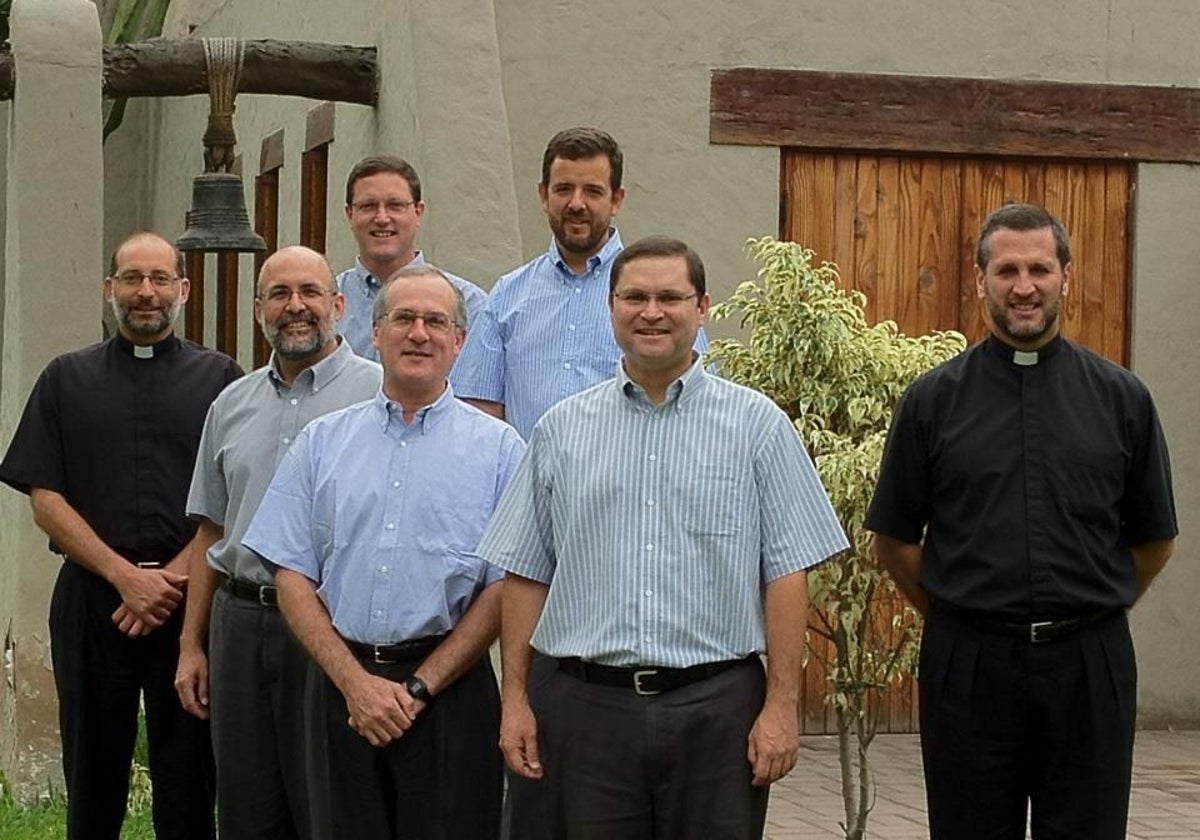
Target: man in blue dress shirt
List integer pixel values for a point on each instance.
(372, 523)
(384, 210)
(545, 334)
(656, 538)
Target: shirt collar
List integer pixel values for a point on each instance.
(167, 346)
(374, 282)
(679, 393)
(426, 419)
(1024, 358)
(318, 375)
(602, 257)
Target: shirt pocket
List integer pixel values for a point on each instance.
(711, 499)
(1092, 485)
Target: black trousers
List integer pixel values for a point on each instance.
(672, 766)
(526, 814)
(1008, 725)
(272, 771)
(440, 781)
(100, 674)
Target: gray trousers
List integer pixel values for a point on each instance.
(272, 775)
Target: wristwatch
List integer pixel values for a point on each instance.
(417, 690)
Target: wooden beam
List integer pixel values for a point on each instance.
(930, 114)
(163, 67)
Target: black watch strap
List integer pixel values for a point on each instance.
(417, 689)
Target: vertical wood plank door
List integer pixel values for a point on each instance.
(903, 230)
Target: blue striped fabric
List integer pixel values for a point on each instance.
(657, 527)
(544, 335)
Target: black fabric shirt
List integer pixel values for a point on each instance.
(1028, 482)
(116, 434)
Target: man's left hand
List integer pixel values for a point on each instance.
(130, 624)
(774, 742)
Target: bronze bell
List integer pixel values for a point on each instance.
(218, 219)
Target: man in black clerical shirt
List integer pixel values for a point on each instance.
(105, 451)
(1024, 504)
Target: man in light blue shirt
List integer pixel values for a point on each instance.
(371, 523)
(244, 659)
(384, 210)
(544, 333)
(656, 539)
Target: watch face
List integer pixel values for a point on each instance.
(417, 689)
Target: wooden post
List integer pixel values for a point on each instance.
(193, 326)
(266, 222)
(314, 176)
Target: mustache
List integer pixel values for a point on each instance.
(299, 318)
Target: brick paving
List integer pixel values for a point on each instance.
(1164, 805)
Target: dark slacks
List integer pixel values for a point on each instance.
(526, 813)
(440, 781)
(100, 674)
(272, 772)
(672, 766)
(1008, 725)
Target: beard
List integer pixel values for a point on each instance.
(589, 243)
(1025, 331)
(139, 322)
(291, 347)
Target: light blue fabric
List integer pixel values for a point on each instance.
(386, 517)
(248, 429)
(545, 334)
(658, 527)
(361, 288)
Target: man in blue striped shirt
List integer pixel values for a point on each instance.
(656, 538)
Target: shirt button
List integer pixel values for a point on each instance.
(403, 443)
(567, 365)
(295, 401)
(391, 526)
(316, 388)
(649, 592)
(652, 458)
(571, 327)
(378, 614)
(395, 483)
(383, 569)
(578, 290)
(649, 546)
(649, 503)
(287, 440)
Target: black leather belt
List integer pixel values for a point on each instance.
(397, 651)
(646, 680)
(1031, 631)
(267, 596)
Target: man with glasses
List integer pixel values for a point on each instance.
(656, 538)
(243, 665)
(371, 524)
(384, 209)
(545, 334)
(105, 450)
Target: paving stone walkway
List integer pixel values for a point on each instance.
(1165, 803)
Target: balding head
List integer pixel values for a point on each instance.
(298, 305)
(296, 257)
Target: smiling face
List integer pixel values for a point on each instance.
(656, 335)
(298, 305)
(1022, 286)
(384, 219)
(580, 204)
(145, 289)
(417, 357)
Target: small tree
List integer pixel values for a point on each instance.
(811, 350)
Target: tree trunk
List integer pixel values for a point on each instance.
(162, 67)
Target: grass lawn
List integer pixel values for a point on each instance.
(48, 821)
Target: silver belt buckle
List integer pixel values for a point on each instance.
(263, 601)
(149, 564)
(1035, 627)
(637, 682)
(379, 660)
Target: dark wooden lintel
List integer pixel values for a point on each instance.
(166, 67)
(931, 114)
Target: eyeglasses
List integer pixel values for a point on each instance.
(393, 207)
(435, 322)
(131, 279)
(637, 299)
(283, 294)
